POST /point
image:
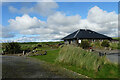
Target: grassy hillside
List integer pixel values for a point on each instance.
(86, 63)
(75, 59)
(81, 61)
(33, 43)
(117, 38)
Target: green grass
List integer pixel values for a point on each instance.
(0, 50)
(46, 48)
(86, 63)
(107, 71)
(114, 45)
(119, 45)
(50, 57)
(97, 45)
(31, 45)
(52, 42)
(78, 57)
(117, 38)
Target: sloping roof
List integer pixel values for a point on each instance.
(86, 34)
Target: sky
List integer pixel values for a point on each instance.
(51, 21)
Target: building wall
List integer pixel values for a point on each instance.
(66, 42)
(71, 41)
(78, 42)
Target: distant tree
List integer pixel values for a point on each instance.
(105, 43)
(11, 47)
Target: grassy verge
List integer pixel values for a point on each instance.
(81, 61)
(50, 57)
(87, 63)
(117, 38)
(78, 57)
(0, 50)
(108, 71)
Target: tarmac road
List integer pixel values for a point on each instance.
(22, 67)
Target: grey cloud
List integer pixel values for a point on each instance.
(5, 32)
(42, 8)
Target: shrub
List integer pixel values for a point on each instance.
(114, 45)
(27, 48)
(97, 44)
(85, 44)
(105, 43)
(119, 45)
(71, 55)
(11, 48)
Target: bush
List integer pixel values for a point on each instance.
(114, 45)
(119, 45)
(11, 48)
(71, 55)
(105, 43)
(27, 48)
(85, 44)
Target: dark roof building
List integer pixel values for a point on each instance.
(84, 34)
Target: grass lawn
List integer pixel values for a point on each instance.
(75, 59)
(117, 38)
(0, 50)
(108, 71)
(50, 57)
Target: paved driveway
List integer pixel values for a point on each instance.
(112, 55)
(114, 58)
(22, 67)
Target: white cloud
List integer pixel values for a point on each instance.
(106, 29)
(99, 16)
(62, 23)
(32, 25)
(26, 22)
(103, 21)
(31, 39)
(12, 9)
(58, 25)
(40, 31)
(97, 20)
(42, 8)
(28, 25)
(5, 32)
(61, 19)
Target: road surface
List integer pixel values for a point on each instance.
(22, 67)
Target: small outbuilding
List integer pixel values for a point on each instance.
(83, 34)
